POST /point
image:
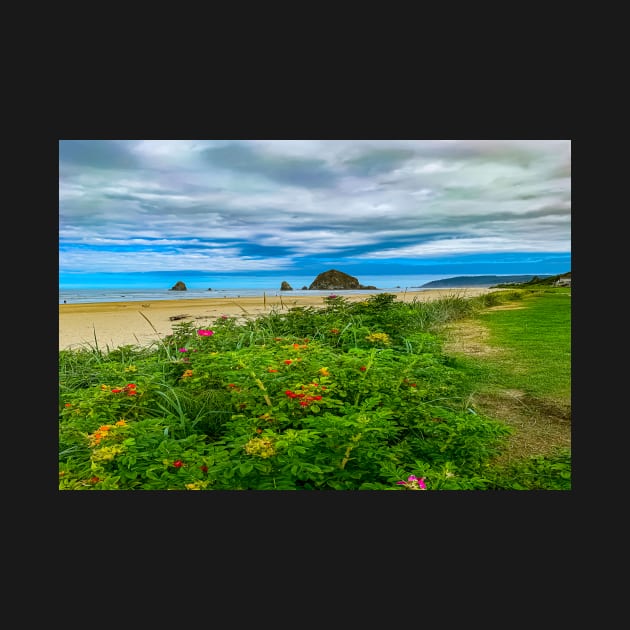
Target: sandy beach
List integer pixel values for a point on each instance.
(114, 324)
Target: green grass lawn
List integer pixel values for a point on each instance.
(537, 338)
(515, 359)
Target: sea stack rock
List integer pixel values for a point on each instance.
(178, 286)
(285, 286)
(338, 281)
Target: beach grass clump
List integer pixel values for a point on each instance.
(350, 396)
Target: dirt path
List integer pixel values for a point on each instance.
(541, 425)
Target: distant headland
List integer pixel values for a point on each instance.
(496, 281)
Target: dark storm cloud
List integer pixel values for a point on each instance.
(377, 162)
(310, 173)
(109, 154)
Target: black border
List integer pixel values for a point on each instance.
(381, 112)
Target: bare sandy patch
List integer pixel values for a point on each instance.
(469, 338)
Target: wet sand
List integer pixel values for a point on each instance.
(113, 324)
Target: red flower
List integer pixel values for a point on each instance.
(204, 468)
(94, 479)
(363, 368)
(178, 463)
(288, 361)
(116, 391)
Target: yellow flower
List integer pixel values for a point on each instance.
(324, 371)
(121, 423)
(107, 453)
(263, 447)
(379, 338)
(131, 368)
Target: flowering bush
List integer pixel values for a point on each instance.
(315, 400)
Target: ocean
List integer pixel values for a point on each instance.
(250, 286)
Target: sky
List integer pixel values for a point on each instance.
(306, 206)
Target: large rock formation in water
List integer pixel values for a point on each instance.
(285, 286)
(179, 286)
(338, 281)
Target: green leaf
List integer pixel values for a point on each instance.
(246, 467)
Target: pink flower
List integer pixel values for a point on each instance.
(183, 350)
(205, 333)
(413, 483)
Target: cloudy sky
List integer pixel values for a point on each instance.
(282, 206)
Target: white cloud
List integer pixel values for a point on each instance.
(450, 196)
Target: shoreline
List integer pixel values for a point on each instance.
(114, 324)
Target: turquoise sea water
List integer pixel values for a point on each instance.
(250, 286)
